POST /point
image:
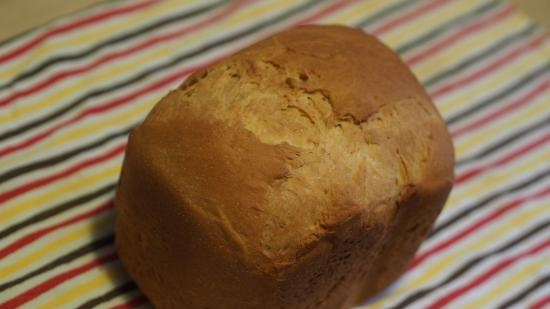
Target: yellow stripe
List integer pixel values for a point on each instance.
(259, 9)
(134, 114)
(108, 123)
(414, 28)
(98, 128)
(76, 134)
(86, 180)
(356, 12)
(479, 243)
(496, 179)
(478, 89)
(101, 278)
(440, 60)
(63, 243)
(426, 22)
(511, 283)
(433, 269)
(123, 67)
(83, 38)
(98, 281)
(114, 120)
(127, 117)
(122, 299)
(467, 144)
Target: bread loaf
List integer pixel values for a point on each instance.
(301, 172)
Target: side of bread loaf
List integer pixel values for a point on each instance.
(301, 172)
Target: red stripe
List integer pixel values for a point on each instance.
(504, 160)
(541, 303)
(478, 25)
(504, 59)
(129, 98)
(51, 283)
(526, 99)
(73, 26)
(477, 225)
(135, 302)
(329, 9)
(126, 52)
(29, 238)
(98, 109)
(502, 265)
(4, 197)
(400, 20)
(32, 237)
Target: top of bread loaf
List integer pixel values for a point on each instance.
(286, 141)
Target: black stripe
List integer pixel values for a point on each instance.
(467, 210)
(480, 56)
(48, 162)
(452, 24)
(119, 290)
(22, 35)
(64, 259)
(521, 295)
(52, 211)
(470, 265)
(507, 140)
(167, 65)
(385, 13)
(510, 90)
(115, 40)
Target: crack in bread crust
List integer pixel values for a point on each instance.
(304, 174)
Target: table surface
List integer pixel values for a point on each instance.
(72, 90)
(31, 13)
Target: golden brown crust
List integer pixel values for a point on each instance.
(302, 172)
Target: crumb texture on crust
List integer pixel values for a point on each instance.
(306, 169)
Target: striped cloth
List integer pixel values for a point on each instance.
(71, 90)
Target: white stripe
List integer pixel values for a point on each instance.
(106, 50)
(496, 172)
(53, 293)
(479, 269)
(376, 24)
(502, 123)
(43, 149)
(539, 294)
(52, 170)
(59, 217)
(468, 53)
(65, 148)
(491, 286)
(109, 270)
(524, 64)
(400, 293)
(193, 60)
(42, 154)
(472, 8)
(502, 152)
(218, 50)
(422, 20)
(52, 255)
(32, 282)
(484, 231)
(496, 103)
(29, 58)
(79, 79)
(122, 299)
(447, 56)
(16, 203)
(478, 214)
(61, 21)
